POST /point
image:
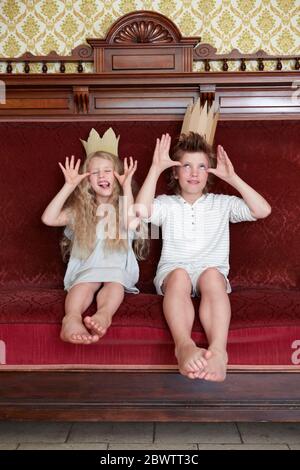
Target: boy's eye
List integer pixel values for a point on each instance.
(202, 167)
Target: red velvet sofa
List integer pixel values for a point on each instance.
(265, 256)
(131, 373)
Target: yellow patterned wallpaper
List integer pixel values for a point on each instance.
(249, 25)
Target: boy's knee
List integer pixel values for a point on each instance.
(211, 278)
(178, 278)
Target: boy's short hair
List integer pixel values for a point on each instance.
(192, 142)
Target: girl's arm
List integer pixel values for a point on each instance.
(54, 214)
(129, 218)
(161, 161)
(258, 206)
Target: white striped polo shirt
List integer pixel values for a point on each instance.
(197, 234)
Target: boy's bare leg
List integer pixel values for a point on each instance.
(78, 299)
(215, 315)
(109, 299)
(179, 313)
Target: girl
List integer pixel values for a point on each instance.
(194, 258)
(101, 254)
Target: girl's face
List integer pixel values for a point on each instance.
(192, 175)
(102, 177)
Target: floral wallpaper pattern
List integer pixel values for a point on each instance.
(60, 25)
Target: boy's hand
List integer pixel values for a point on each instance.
(161, 159)
(72, 177)
(126, 178)
(224, 169)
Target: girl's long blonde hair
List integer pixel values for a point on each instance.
(83, 207)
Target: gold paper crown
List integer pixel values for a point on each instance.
(201, 121)
(108, 143)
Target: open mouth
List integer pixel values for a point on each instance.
(193, 181)
(104, 184)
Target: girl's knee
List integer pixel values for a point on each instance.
(114, 289)
(85, 288)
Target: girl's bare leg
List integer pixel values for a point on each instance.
(109, 299)
(215, 315)
(78, 299)
(179, 313)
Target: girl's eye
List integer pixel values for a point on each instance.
(107, 171)
(95, 172)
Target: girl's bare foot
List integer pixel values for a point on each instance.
(192, 361)
(216, 366)
(98, 323)
(73, 331)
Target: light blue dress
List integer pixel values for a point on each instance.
(102, 265)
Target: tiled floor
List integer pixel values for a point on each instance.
(149, 436)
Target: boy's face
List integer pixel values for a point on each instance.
(102, 176)
(192, 175)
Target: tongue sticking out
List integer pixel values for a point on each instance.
(104, 184)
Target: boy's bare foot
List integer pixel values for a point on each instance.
(192, 361)
(216, 366)
(98, 323)
(73, 331)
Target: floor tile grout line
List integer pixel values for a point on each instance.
(239, 433)
(154, 433)
(69, 432)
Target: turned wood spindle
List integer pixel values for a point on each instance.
(26, 67)
(243, 65)
(206, 65)
(260, 65)
(9, 67)
(225, 65)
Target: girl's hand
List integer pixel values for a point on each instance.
(126, 178)
(161, 159)
(72, 177)
(224, 169)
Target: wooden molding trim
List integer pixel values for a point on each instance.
(143, 396)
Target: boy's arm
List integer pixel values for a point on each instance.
(54, 214)
(161, 161)
(258, 206)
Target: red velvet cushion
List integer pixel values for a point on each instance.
(264, 153)
(264, 325)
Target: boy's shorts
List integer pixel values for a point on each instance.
(194, 274)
